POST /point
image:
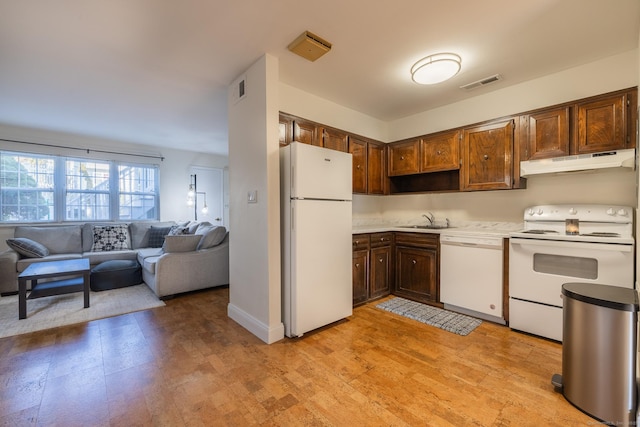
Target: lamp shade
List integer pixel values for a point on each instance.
(435, 68)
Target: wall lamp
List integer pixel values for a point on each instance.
(192, 197)
(436, 68)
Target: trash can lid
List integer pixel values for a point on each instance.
(614, 297)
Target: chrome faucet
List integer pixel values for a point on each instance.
(430, 217)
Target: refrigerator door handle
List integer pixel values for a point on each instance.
(293, 180)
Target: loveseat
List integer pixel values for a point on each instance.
(175, 258)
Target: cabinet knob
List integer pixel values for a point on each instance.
(486, 157)
(357, 265)
(380, 260)
(438, 152)
(401, 157)
(355, 242)
(382, 239)
(414, 262)
(357, 166)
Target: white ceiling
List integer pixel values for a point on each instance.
(156, 71)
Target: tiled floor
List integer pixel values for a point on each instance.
(188, 364)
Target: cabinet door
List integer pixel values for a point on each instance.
(360, 276)
(416, 274)
(440, 152)
(546, 134)
(334, 139)
(488, 157)
(375, 169)
(358, 149)
(601, 125)
(380, 272)
(306, 132)
(404, 158)
(286, 130)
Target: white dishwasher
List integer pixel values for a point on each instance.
(471, 270)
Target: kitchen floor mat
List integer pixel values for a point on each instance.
(446, 320)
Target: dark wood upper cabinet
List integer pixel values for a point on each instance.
(440, 152)
(488, 157)
(358, 150)
(286, 130)
(306, 132)
(601, 124)
(404, 157)
(545, 133)
(334, 139)
(376, 177)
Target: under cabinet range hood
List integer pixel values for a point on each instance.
(581, 162)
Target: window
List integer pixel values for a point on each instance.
(27, 184)
(87, 197)
(137, 199)
(40, 188)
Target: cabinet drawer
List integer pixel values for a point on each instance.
(425, 240)
(381, 239)
(360, 241)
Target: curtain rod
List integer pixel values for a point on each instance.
(82, 149)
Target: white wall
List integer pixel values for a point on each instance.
(174, 169)
(255, 287)
(303, 104)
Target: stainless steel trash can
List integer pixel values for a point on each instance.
(599, 348)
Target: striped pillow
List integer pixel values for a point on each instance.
(27, 247)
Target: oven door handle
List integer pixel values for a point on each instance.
(572, 245)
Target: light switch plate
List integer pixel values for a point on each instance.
(252, 196)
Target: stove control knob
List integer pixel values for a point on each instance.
(622, 212)
(572, 211)
(539, 212)
(611, 212)
(531, 212)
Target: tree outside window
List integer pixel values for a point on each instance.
(26, 188)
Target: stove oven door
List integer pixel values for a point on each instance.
(539, 268)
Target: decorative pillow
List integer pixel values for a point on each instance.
(110, 238)
(177, 230)
(181, 243)
(157, 235)
(211, 236)
(27, 247)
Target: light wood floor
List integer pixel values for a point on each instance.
(189, 364)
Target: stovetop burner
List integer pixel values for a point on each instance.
(601, 234)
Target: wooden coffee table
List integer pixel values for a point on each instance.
(74, 275)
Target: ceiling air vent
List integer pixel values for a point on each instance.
(482, 82)
(309, 46)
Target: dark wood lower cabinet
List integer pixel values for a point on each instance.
(372, 266)
(416, 271)
(360, 268)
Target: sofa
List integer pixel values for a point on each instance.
(174, 258)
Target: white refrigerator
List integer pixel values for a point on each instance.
(316, 237)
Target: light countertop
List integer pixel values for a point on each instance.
(484, 228)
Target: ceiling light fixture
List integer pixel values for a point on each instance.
(436, 68)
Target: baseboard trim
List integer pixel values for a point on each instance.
(256, 327)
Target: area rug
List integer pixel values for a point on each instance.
(446, 320)
(60, 310)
